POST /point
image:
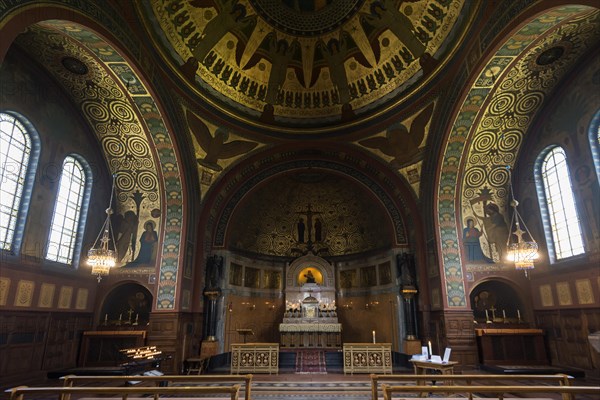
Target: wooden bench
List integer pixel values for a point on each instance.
(73, 380)
(388, 390)
(560, 379)
(64, 393)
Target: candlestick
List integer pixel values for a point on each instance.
(373, 336)
(429, 348)
(503, 314)
(487, 316)
(518, 314)
(105, 319)
(120, 317)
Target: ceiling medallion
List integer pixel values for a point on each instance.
(306, 18)
(74, 65)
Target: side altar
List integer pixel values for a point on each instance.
(310, 319)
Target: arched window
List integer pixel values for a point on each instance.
(563, 229)
(594, 136)
(19, 150)
(71, 202)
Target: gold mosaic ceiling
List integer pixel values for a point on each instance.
(305, 63)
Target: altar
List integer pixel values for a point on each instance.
(310, 319)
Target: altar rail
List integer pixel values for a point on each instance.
(559, 379)
(255, 358)
(183, 393)
(388, 390)
(162, 380)
(367, 358)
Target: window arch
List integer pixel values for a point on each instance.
(70, 208)
(594, 137)
(561, 220)
(19, 153)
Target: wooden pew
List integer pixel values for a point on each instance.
(560, 379)
(73, 380)
(388, 390)
(192, 392)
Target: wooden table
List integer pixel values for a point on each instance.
(421, 368)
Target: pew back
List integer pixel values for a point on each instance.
(73, 380)
(183, 392)
(388, 390)
(560, 379)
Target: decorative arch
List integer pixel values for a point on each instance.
(394, 194)
(489, 125)
(310, 261)
(136, 102)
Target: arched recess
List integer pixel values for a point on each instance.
(94, 31)
(128, 302)
(499, 297)
(490, 122)
(385, 187)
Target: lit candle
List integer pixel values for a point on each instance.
(487, 317)
(373, 336)
(429, 347)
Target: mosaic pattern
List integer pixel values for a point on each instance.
(249, 59)
(343, 218)
(265, 172)
(171, 182)
(488, 136)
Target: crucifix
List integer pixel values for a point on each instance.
(309, 222)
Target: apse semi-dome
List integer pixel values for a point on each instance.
(305, 64)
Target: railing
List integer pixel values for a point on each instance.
(560, 379)
(195, 392)
(255, 358)
(73, 380)
(388, 390)
(367, 358)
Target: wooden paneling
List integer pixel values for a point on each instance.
(32, 343)
(567, 336)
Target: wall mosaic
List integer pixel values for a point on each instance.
(486, 137)
(253, 177)
(309, 210)
(115, 122)
(172, 212)
(306, 66)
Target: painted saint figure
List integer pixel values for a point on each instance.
(148, 240)
(472, 244)
(310, 278)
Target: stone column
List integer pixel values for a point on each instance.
(210, 321)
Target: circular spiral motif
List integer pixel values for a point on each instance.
(502, 103)
(121, 110)
(498, 176)
(125, 180)
(147, 163)
(152, 196)
(527, 102)
(484, 141)
(95, 110)
(475, 176)
(469, 192)
(113, 146)
(147, 180)
(137, 146)
(509, 140)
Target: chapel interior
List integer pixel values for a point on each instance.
(303, 173)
